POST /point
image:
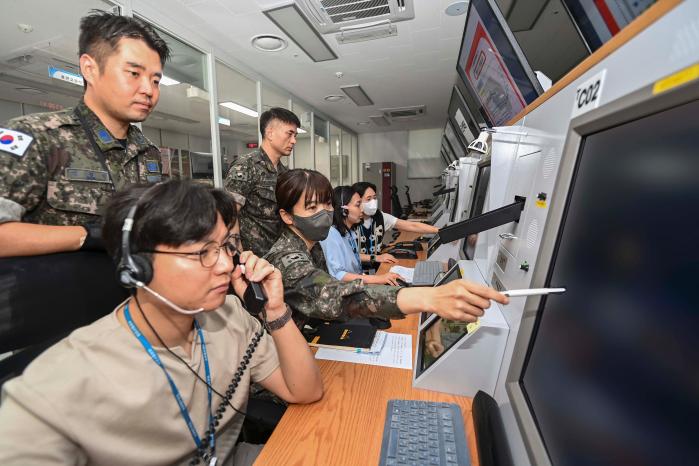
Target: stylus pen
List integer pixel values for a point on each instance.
(533, 292)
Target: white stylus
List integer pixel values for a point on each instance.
(533, 292)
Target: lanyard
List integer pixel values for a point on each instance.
(175, 392)
(99, 152)
(353, 244)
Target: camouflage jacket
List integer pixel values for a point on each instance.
(60, 179)
(313, 293)
(252, 179)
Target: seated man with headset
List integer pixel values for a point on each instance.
(164, 378)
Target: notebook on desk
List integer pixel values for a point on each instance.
(342, 335)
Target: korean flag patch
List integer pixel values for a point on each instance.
(14, 142)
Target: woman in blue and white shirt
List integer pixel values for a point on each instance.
(340, 247)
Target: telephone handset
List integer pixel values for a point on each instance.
(254, 297)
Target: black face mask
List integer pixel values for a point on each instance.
(316, 227)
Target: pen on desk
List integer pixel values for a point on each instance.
(533, 292)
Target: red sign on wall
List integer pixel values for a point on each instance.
(252, 145)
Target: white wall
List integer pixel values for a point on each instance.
(394, 147)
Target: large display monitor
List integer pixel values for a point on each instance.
(462, 118)
(600, 20)
(448, 149)
(492, 67)
(606, 373)
(457, 147)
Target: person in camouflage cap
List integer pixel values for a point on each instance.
(305, 207)
(253, 177)
(58, 169)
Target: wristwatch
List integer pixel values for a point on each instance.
(372, 258)
(279, 322)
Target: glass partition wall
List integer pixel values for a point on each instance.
(39, 79)
(39, 70)
(303, 151)
(237, 114)
(335, 155)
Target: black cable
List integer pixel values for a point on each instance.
(201, 451)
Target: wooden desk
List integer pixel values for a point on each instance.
(346, 426)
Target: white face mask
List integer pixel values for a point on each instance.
(370, 207)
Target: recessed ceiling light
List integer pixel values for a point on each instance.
(240, 109)
(334, 98)
(363, 123)
(167, 81)
(456, 9)
(268, 43)
(30, 90)
(301, 131)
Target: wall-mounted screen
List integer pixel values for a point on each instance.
(492, 65)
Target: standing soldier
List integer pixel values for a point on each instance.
(253, 177)
(58, 169)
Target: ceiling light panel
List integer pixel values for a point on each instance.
(240, 109)
(357, 94)
(297, 27)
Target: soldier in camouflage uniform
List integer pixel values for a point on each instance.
(313, 293)
(253, 177)
(59, 168)
(305, 197)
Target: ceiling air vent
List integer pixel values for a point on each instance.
(380, 120)
(404, 112)
(333, 15)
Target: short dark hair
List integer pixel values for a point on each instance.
(100, 32)
(341, 196)
(278, 113)
(361, 187)
(291, 185)
(171, 213)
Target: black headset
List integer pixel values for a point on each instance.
(134, 270)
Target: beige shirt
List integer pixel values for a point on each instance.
(97, 397)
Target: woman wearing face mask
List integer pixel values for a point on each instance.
(375, 224)
(340, 247)
(304, 198)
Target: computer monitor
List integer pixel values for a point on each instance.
(452, 274)
(202, 165)
(480, 192)
(599, 21)
(443, 154)
(456, 145)
(462, 119)
(492, 67)
(435, 339)
(606, 373)
(448, 149)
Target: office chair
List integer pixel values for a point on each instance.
(44, 298)
(409, 208)
(395, 204)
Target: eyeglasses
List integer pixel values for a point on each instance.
(209, 254)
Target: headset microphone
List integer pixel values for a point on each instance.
(136, 270)
(172, 305)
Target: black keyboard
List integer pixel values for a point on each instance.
(424, 433)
